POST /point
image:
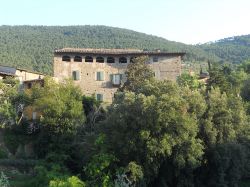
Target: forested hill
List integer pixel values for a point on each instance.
(32, 47)
(234, 49)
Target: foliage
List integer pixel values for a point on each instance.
(137, 74)
(3, 153)
(150, 122)
(8, 92)
(15, 136)
(11, 141)
(155, 133)
(224, 120)
(4, 182)
(99, 169)
(217, 78)
(187, 80)
(53, 174)
(69, 182)
(31, 47)
(225, 165)
(234, 49)
(60, 105)
(132, 175)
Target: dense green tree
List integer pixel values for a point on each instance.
(218, 78)
(138, 74)
(32, 47)
(60, 105)
(149, 129)
(8, 93)
(187, 80)
(224, 120)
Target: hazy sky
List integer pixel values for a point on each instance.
(188, 21)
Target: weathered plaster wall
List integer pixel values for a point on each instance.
(167, 67)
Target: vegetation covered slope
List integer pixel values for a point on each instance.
(32, 47)
(234, 49)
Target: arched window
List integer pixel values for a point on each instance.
(78, 59)
(155, 59)
(110, 60)
(66, 58)
(100, 59)
(88, 59)
(123, 60)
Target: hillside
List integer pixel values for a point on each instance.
(32, 47)
(234, 49)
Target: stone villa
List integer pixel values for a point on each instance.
(101, 71)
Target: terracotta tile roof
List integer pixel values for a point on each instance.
(115, 51)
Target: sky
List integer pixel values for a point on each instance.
(186, 21)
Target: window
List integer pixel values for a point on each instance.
(88, 59)
(123, 60)
(29, 85)
(76, 75)
(110, 60)
(100, 59)
(78, 59)
(66, 58)
(99, 76)
(116, 79)
(155, 59)
(99, 97)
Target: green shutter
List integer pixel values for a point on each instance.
(99, 76)
(111, 77)
(99, 97)
(76, 75)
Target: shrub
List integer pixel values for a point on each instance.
(11, 141)
(4, 182)
(69, 182)
(3, 154)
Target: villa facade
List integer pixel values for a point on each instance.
(99, 72)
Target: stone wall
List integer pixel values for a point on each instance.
(167, 67)
(26, 75)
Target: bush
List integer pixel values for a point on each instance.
(54, 176)
(69, 182)
(11, 141)
(21, 164)
(4, 182)
(3, 154)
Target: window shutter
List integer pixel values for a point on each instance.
(116, 80)
(77, 75)
(101, 76)
(74, 75)
(99, 97)
(111, 77)
(97, 76)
